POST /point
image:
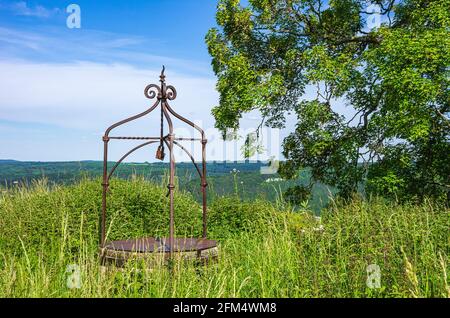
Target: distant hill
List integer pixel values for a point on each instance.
(248, 180)
(69, 171)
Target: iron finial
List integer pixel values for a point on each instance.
(162, 76)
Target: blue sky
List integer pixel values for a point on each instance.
(172, 29)
(61, 87)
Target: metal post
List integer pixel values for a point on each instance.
(171, 189)
(105, 189)
(204, 184)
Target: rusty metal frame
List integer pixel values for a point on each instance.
(163, 93)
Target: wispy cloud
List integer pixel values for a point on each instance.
(63, 41)
(60, 89)
(78, 101)
(19, 40)
(88, 95)
(22, 8)
(61, 45)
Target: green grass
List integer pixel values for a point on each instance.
(266, 250)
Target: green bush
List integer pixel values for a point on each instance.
(229, 216)
(136, 208)
(41, 215)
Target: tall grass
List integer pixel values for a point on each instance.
(265, 249)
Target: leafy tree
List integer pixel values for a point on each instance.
(394, 77)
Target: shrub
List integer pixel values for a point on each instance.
(40, 215)
(229, 216)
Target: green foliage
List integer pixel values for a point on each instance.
(252, 146)
(264, 250)
(135, 208)
(249, 184)
(298, 194)
(408, 242)
(229, 216)
(394, 78)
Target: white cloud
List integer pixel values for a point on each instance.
(87, 97)
(64, 45)
(22, 8)
(58, 110)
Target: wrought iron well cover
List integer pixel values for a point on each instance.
(163, 93)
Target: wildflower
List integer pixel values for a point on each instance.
(320, 228)
(273, 180)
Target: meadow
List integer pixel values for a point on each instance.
(266, 249)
